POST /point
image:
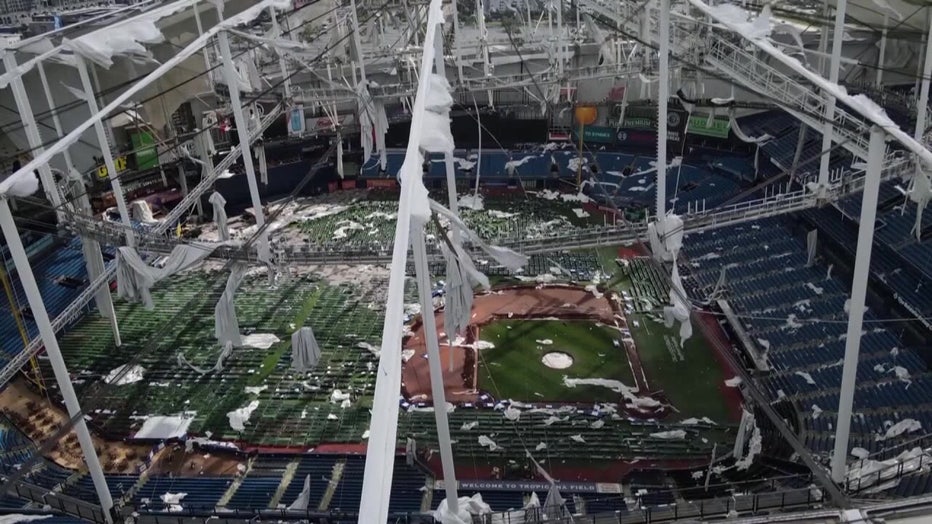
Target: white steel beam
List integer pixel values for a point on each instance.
(858, 296)
(663, 98)
(47, 334)
(242, 131)
(105, 145)
(828, 127)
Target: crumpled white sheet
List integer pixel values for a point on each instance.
(218, 204)
(485, 441)
(467, 506)
(124, 37)
(140, 210)
(305, 352)
(907, 425)
(679, 310)
(240, 416)
(24, 186)
(135, 278)
(226, 325)
(225, 353)
(666, 237)
(920, 192)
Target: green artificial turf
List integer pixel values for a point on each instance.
(691, 376)
(513, 369)
(295, 409)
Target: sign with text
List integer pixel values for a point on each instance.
(640, 122)
(635, 137)
(528, 485)
(325, 123)
(716, 128)
(596, 134)
(118, 162)
(676, 129)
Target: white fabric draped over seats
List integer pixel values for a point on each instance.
(301, 503)
(140, 210)
(554, 503)
(226, 325)
(812, 240)
(263, 164)
(461, 279)
(373, 124)
(680, 308)
(920, 192)
(305, 352)
(468, 507)
(220, 215)
(225, 353)
(135, 278)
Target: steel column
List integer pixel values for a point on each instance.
(62, 377)
(828, 128)
(105, 151)
(422, 274)
(663, 98)
(858, 295)
(923, 107)
(93, 257)
(242, 131)
(32, 131)
(883, 51)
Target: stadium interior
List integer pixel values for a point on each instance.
(339, 261)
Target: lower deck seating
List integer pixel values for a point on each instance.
(84, 487)
(199, 492)
(319, 468)
(796, 314)
(348, 492)
(254, 493)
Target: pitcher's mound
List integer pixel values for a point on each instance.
(557, 360)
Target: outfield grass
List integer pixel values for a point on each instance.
(690, 376)
(513, 369)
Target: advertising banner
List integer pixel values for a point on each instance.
(388, 183)
(677, 120)
(296, 121)
(596, 134)
(716, 128)
(640, 122)
(325, 123)
(635, 137)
